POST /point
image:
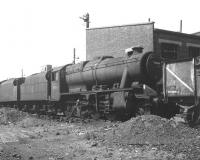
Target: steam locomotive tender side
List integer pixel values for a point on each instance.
(10, 92)
(34, 93)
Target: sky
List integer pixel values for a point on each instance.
(34, 33)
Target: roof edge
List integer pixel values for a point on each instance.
(114, 26)
(177, 33)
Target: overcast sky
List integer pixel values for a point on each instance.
(38, 32)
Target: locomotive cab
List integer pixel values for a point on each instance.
(181, 87)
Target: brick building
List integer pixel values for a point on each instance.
(112, 41)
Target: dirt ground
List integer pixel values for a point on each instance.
(29, 137)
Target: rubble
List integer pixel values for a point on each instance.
(11, 115)
(24, 136)
(150, 129)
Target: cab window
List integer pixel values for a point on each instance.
(55, 76)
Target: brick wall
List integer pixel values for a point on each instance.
(113, 41)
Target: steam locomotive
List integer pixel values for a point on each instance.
(104, 86)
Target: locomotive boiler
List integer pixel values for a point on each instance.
(134, 67)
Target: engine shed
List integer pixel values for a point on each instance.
(113, 40)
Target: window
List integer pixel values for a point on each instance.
(55, 76)
(169, 50)
(193, 51)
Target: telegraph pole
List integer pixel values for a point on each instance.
(74, 58)
(181, 26)
(22, 72)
